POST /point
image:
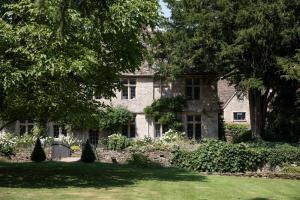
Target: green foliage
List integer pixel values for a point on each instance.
(172, 136)
(7, 145)
(75, 148)
(55, 55)
(165, 109)
(218, 156)
(140, 160)
(239, 132)
(38, 153)
(118, 142)
(291, 169)
(253, 43)
(114, 118)
(88, 154)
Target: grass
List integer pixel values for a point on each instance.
(53, 180)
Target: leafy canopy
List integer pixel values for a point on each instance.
(55, 53)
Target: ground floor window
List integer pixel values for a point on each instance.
(160, 129)
(94, 137)
(239, 116)
(194, 127)
(59, 131)
(26, 126)
(129, 130)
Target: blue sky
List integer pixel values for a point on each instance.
(165, 10)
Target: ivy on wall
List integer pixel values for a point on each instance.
(165, 111)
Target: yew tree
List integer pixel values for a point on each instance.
(254, 44)
(54, 54)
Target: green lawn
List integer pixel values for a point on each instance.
(52, 180)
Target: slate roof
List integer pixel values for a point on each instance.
(225, 91)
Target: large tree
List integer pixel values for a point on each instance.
(252, 43)
(54, 54)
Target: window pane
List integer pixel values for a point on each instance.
(197, 93)
(190, 118)
(198, 131)
(157, 130)
(198, 118)
(165, 128)
(196, 81)
(22, 121)
(22, 130)
(94, 137)
(64, 131)
(189, 81)
(125, 130)
(55, 131)
(125, 93)
(132, 92)
(235, 116)
(189, 92)
(190, 131)
(132, 81)
(132, 130)
(125, 81)
(243, 115)
(30, 127)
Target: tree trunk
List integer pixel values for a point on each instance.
(258, 109)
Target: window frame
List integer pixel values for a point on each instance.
(194, 122)
(129, 129)
(26, 124)
(61, 131)
(195, 84)
(128, 85)
(237, 114)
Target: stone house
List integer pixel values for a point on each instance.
(235, 106)
(200, 118)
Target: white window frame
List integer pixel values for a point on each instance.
(128, 85)
(26, 123)
(60, 130)
(161, 129)
(239, 120)
(193, 86)
(194, 122)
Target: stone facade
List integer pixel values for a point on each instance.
(149, 88)
(235, 106)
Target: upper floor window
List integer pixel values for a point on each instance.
(26, 126)
(58, 131)
(192, 90)
(129, 88)
(194, 126)
(239, 116)
(129, 130)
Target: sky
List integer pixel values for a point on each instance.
(165, 10)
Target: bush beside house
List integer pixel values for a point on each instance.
(38, 153)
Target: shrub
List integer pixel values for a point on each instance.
(88, 154)
(291, 169)
(38, 153)
(140, 160)
(218, 156)
(7, 145)
(75, 148)
(172, 136)
(239, 132)
(118, 142)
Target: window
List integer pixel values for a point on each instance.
(94, 137)
(160, 129)
(58, 131)
(26, 126)
(129, 130)
(194, 127)
(192, 90)
(239, 116)
(129, 89)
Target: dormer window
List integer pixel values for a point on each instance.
(192, 90)
(129, 88)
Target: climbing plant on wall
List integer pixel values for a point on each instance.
(165, 111)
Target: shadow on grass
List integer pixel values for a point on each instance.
(96, 175)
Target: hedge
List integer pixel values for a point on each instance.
(218, 156)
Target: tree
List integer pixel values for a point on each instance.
(252, 43)
(55, 53)
(38, 153)
(88, 155)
